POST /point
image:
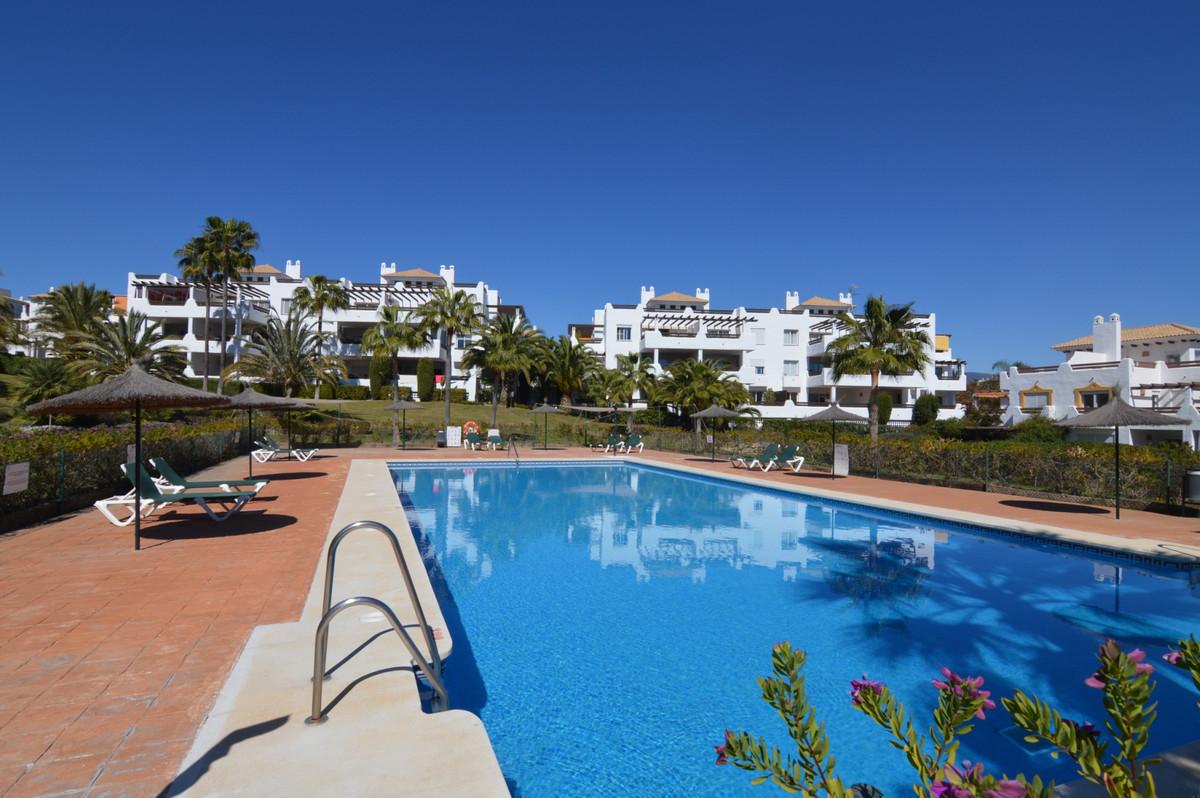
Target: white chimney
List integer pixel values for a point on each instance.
(382, 268)
(847, 297)
(647, 294)
(702, 293)
(791, 299)
(292, 269)
(1106, 337)
(447, 274)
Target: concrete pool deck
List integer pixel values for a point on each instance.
(112, 660)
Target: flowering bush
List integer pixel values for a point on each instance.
(1114, 763)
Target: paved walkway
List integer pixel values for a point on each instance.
(110, 659)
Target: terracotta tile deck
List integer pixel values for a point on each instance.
(110, 659)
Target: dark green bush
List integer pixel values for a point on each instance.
(1039, 429)
(380, 373)
(425, 379)
(456, 395)
(352, 392)
(885, 408)
(925, 409)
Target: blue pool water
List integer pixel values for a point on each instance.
(610, 622)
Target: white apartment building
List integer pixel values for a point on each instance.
(1156, 366)
(778, 349)
(265, 290)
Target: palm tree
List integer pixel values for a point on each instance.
(568, 365)
(693, 385)
(71, 312)
(610, 387)
(1005, 365)
(38, 379)
(228, 249)
(639, 375)
(8, 325)
(388, 336)
(194, 266)
(125, 341)
(885, 340)
(451, 312)
(507, 346)
(319, 295)
(287, 353)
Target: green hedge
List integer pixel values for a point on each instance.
(70, 468)
(456, 395)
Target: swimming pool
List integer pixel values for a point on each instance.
(610, 621)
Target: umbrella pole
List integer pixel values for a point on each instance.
(546, 433)
(137, 474)
(833, 454)
(713, 458)
(1117, 444)
(403, 429)
(250, 445)
(289, 431)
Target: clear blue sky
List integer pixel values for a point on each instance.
(1017, 168)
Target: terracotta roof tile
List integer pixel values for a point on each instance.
(676, 296)
(412, 274)
(822, 302)
(1148, 332)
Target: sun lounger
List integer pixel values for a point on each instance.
(634, 442)
(473, 441)
(172, 479)
(796, 463)
(613, 444)
(784, 455)
(749, 461)
(495, 441)
(268, 448)
(153, 499)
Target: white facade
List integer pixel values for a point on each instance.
(180, 308)
(778, 349)
(1156, 367)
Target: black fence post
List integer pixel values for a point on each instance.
(62, 477)
(987, 467)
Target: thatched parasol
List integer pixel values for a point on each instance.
(834, 414)
(545, 409)
(404, 405)
(251, 400)
(1117, 413)
(713, 411)
(133, 389)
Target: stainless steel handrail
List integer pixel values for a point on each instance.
(512, 445)
(331, 561)
(321, 649)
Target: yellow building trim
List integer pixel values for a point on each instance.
(942, 343)
(1037, 390)
(1092, 387)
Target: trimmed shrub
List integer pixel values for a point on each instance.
(425, 379)
(327, 392)
(925, 410)
(885, 408)
(456, 395)
(352, 392)
(380, 373)
(1039, 429)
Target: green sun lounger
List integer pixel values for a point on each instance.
(268, 448)
(749, 461)
(171, 476)
(153, 499)
(613, 444)
(786, 455)
(635, 442)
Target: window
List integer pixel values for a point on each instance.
(624, 333)
(791, 368)
(285, 306)
(1035, 399)
(759, 371)
(791, 338)
(1093, 399)
(760, 336)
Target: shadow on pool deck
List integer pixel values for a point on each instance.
(197, 769)
(1054, 507)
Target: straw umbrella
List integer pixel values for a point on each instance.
(546, 410)
(133, 389)
(834, 414)
(251, 400)
(1117, 413)
(713, 411)
(403, 405)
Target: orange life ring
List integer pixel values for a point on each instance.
(470, 427)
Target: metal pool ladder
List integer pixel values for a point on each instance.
(512, 447)
(430, 667)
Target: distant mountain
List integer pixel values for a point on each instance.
(972, 376)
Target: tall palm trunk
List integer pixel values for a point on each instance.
(224, 317)
(873, 407)
(446, 378)
(395, 398)
(496, 397)
(320, 349)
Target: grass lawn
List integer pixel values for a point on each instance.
(429, 417)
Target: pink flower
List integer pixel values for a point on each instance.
(1137, 655)
(863, 685)
(723, 749)
(943, 790)
(1095, 681)
(1173, 657)
(1007, 788)
(967, 688)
